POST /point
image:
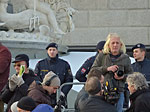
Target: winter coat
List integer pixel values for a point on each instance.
(10, 97)
(82, 96)
(140, 101)
(142, 67)
(96, 104)
(103, 61)
(59, 67)
(5, 60)
(84, 69)
(38, 94)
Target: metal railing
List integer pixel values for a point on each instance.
(59, 93)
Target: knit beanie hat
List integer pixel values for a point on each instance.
(26, 103)
(43, 108)
(51, 79)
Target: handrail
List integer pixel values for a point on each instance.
(65, 84)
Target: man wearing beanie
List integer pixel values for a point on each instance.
(59, 66)
(95, 102)
(41, 92)
(17, 85)
(85, 68)
(27, 104)
(24, 104)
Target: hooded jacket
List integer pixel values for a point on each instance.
(103, 61)
(38, 94)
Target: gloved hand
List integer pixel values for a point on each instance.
(18, 80)
(12, 84)
(62, 96)
(63, 99)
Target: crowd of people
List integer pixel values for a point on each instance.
(108, 77)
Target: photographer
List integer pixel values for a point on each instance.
(112, 60)
(95, 102)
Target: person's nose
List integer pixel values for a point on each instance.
(55, 91)
(115, 44)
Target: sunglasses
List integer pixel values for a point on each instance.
(17, 65)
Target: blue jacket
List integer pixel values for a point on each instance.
(43, 108)
(84, 69)
(142, 67)
(59, 67)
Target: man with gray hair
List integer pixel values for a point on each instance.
(41, 92)
(140, 93)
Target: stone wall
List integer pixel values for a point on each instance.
(96, 18)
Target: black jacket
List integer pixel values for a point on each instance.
(142, 67)
(84, 69)
(10, 97)
(82, 96)
(140, 101)
(96, 104)
(59, 67)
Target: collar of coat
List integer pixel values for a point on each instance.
(138, 93)
(52, 59)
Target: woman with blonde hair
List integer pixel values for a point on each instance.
(106, 46)
(115, 65)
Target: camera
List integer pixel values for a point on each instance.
(119, 73)
(111, 93)
(61, 104)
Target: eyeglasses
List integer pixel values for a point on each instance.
(17, 65)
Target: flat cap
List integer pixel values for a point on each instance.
(52, 45)
(139, 45)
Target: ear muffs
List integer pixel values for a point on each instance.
(48, 82)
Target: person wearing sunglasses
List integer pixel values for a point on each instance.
(17, 85)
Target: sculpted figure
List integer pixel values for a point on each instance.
(44, 8)
(52, 14)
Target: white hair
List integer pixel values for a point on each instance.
(138, 80)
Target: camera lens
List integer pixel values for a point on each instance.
(120, 73)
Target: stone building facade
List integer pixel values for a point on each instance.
(96, 18)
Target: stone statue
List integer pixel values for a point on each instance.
(43, 7)
(45, 16)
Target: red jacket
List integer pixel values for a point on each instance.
(5, 61)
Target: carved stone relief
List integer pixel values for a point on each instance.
(36, 20)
